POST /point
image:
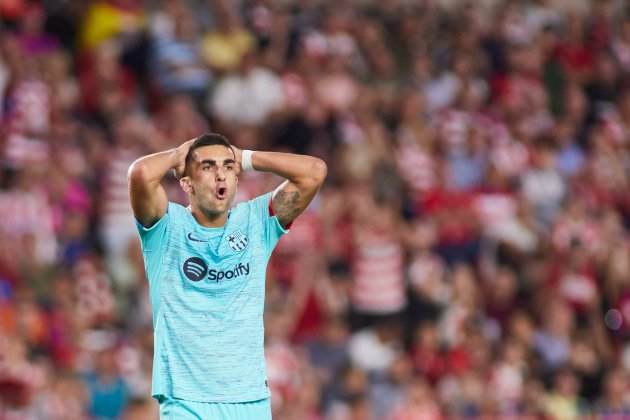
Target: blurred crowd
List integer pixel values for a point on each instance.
(468, 256)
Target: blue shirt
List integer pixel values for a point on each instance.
(107, 399)
(169, 55)
(207, 291)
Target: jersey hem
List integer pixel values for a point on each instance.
(161, 396)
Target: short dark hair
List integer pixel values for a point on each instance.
(206, 139)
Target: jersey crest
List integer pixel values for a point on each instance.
(238, 241)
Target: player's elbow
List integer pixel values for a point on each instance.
(318, 172)
(137, 173)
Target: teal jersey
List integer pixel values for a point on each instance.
(207, 291)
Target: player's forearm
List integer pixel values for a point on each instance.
(306, 172)
(152, 168)
(148, 197)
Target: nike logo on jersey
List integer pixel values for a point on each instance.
(190, 237)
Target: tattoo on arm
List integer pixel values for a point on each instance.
(286, 206)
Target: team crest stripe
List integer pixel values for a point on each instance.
(238, 240)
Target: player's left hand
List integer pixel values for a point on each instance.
(238, 154)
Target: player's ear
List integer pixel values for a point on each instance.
(186, 185)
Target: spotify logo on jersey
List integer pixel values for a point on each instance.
(195, 268)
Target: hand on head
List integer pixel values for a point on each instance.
(182, 152)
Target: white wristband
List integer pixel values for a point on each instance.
(246, 160)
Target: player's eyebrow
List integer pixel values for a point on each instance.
(214, 162)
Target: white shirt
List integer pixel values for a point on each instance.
(368, 353)
(249, 98)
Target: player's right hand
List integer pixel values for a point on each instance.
(181, 152)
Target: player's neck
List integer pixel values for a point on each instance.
(208, 220)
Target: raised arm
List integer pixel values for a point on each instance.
(304, 176)
(148, 197)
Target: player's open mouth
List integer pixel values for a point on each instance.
(221, 193)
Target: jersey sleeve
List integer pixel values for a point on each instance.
(272, 229)
(151, 237)
(153, 240)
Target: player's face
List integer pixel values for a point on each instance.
(212, 179)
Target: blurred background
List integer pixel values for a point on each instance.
(468, 256)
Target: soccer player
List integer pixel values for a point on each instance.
(206, 267)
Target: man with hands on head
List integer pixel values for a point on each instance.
(206, 266)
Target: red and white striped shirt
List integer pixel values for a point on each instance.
(378, 275)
